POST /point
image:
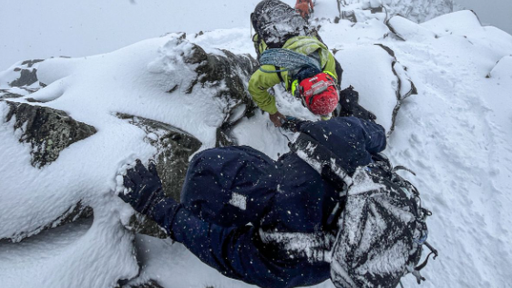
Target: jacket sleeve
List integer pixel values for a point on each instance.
(375, 136)
(233, 251)
(259, 83)
(330, 65)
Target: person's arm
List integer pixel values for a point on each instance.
(259, 84)
(375, 136)
(232, 251)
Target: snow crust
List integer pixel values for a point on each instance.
(455, 134)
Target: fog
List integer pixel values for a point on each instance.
(491, 12)
(40, 29)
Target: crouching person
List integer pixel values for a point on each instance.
(290, 52)
(254, 219)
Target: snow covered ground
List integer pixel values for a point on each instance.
(455, 134)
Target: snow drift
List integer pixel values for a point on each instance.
(440, 88)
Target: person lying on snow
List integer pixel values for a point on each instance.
(290, 52)
(276, 223)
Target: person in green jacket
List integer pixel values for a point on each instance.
(278, 25)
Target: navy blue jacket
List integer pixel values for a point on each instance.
(234, 196)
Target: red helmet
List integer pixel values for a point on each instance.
(319, 94)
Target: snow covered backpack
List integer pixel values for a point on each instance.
(381, 224)
(275, 22)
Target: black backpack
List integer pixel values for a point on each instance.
(381, 224)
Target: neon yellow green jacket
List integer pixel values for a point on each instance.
(261, 81)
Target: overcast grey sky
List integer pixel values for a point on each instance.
(40, 29)
(44, 28)
(492, 12)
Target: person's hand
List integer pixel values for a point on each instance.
(277, 118)
(143, 187)
(292, 123)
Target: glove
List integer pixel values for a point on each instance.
(143, 188)
(291, 123)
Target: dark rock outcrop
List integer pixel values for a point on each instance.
(233, 72)
(27, 77)
(405, 86)
(174, 147)
(149, 284)
(47, 130)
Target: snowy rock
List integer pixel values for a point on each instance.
(174, 147)
(419, 10)
(179, 70)
(76, 212)
(415, 10)
(408, 30)
(27, 77)
(231, 71)
(460, 22)
(20, 80)
(48, 131)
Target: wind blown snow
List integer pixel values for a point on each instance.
(454, 133)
